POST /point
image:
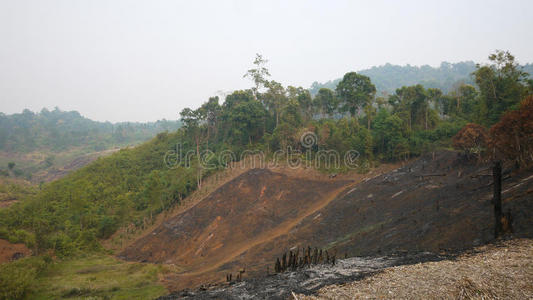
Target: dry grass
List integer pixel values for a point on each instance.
(502, 271)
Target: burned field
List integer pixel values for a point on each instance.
(215, 236)
(439, 203)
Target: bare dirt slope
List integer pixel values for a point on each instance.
(437, 202)
(250, 210)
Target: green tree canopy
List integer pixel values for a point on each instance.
(355, 91)
(502, 84)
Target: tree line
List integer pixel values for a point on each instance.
(412, 120)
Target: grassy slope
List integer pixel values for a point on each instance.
(99, 276)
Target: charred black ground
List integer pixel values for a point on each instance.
(303, 281)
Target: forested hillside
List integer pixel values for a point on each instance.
(47, 145)
(59, 130)
(388, 78)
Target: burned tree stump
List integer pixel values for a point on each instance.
(497, 198)
(277, 267)
(507, 222)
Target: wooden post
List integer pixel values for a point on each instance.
(497, 198)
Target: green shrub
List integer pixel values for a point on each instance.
(4, 234)
(17, 278)
(62, 244)
(107, 226)
(22, 236)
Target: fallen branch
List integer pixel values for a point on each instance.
(294, 295)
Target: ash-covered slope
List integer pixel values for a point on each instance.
(437, 202)
(303, 281)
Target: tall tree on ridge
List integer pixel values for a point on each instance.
(356, 91)
(326, 101)
(259, 73)
(274, 98)
(191, 119)
(209, 112)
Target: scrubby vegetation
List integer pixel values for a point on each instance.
(12, 189)
(17, 278)
(130, 186)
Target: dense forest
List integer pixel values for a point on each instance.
(133, 185)
(388, 78)
(59, 130)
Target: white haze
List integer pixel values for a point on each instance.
(146, 60)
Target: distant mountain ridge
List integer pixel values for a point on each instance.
(388, 77)
(58, 130)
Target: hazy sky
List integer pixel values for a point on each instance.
(146, 60)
